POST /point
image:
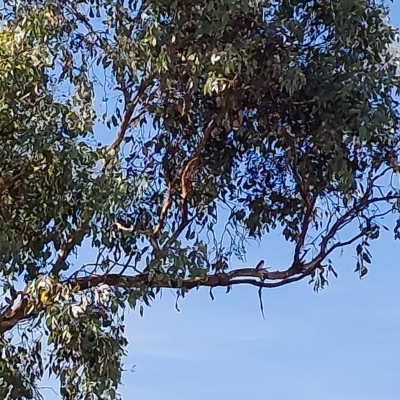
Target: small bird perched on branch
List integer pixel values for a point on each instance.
(260, 264)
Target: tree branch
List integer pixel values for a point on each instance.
(340, 222)
(164, 210)
(309, 205)
(18, 312)
(127, 120)
(187, 171)
(67, 247)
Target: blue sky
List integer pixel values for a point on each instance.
(340, 344)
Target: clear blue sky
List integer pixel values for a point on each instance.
(340, 344)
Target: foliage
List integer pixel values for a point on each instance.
(229, 120)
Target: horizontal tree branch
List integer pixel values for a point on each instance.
(261, 278)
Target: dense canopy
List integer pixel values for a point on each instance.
(159, 137)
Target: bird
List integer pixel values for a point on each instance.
(260, 264)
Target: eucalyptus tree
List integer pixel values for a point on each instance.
(163, 136)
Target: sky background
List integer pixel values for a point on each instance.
(340, 344)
